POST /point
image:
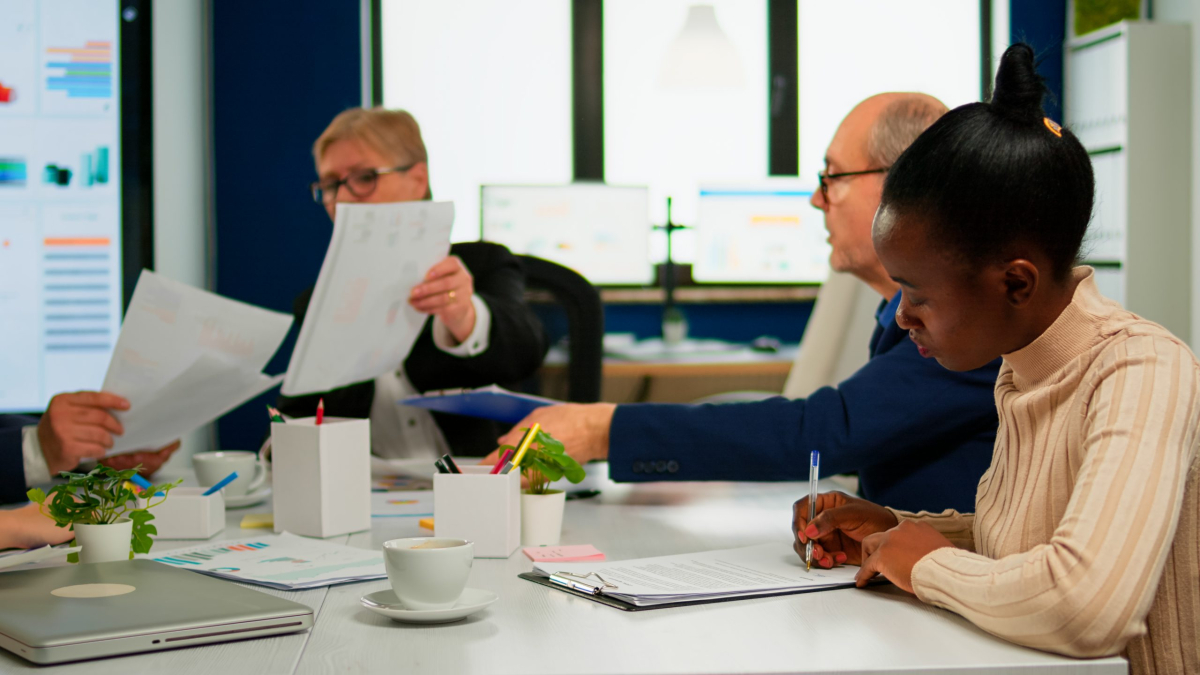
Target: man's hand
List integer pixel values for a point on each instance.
(582, 428)
(446, 293)
(895, 552)
(26, 527)
(151, 460)
(78, 426)
(842, 523)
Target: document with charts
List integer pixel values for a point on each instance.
(284, 561)
(359, 324)
(766, 569)
(185, 357)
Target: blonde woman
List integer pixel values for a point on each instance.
(479, 330)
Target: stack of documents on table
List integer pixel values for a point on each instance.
(284, 561)
(359, 324)
(767, 569)
(185, 357)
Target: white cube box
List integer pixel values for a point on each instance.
(322, 476)
(481, 508)
(188, 514)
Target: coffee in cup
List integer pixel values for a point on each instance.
(428, 572)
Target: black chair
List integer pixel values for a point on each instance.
(585, 323)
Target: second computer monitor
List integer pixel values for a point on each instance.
(766, 234)
(601, 231)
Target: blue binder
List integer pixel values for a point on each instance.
(491, 402)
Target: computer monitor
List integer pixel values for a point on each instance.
(759, 234)
(74, 189)
(601, 231)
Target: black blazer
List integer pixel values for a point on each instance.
(517, 344)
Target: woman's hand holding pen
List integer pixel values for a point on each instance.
(841, 525)
(446, 294)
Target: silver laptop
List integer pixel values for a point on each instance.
(86, 611)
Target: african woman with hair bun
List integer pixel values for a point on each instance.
(1084, 540)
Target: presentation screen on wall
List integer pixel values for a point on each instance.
(60, 197)
(600, 231)
(765, 233)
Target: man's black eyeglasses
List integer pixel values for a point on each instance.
(824, 178)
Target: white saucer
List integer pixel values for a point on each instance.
(385, 602)
(249, 499)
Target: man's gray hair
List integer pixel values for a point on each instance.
(899, 125)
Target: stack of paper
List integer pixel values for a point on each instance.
(283, 561)
(359, 324)
(185, 357)
(768, 569)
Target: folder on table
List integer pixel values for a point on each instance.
(677, 580)
(491, 402)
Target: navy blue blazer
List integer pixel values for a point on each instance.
(12, 461)
(919, 436)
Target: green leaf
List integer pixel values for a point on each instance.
(551, 471)
(36, 495)
(571, 469)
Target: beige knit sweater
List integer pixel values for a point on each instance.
(1084, 541)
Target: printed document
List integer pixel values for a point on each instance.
(359, 324)
(185, 357)
(696, 577)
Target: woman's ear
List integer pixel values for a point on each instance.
(419, 175)
(1021, 279)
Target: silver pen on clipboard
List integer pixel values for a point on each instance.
(813, 469)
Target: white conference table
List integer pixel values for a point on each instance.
(533, 629)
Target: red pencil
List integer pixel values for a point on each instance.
(496, 469)
(320, 411)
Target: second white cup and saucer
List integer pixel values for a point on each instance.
(429, 581)
(248, 489)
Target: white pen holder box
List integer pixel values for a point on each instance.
(188, 514)
(479, 507)
(322, 476)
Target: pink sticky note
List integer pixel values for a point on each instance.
(580, 553)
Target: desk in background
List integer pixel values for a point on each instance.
(534, 630)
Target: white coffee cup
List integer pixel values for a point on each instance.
(428, 572)
(212, 467)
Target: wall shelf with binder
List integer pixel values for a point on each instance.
(1128, 99)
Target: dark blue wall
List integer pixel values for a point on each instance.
(1043, 24)
(281, 70)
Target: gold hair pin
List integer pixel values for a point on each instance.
(1053, 126)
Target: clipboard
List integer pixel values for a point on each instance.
(491, 403)
(630, 607)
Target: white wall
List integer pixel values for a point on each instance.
(1185, 11)
(182, 206)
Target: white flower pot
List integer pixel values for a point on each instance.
(105, 543)
(541, 518)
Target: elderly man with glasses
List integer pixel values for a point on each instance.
(919, 436)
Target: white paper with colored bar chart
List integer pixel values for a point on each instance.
(284, 561)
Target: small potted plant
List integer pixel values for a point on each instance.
(544, 462)
(103, 512)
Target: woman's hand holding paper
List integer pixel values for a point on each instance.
(446, 294)
(841, 525)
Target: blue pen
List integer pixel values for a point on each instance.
(220, 484)
(137, 480)
(814, 468)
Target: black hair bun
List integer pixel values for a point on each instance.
(1019, 89)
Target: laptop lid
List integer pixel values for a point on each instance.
(86, 611)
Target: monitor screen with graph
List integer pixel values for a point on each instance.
(759, 234)
(601, 231)
(74, 188)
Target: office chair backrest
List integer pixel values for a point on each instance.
(585, 324)
(835, 341)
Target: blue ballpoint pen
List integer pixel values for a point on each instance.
(143, 483)
(220, 484)
(813, 470)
